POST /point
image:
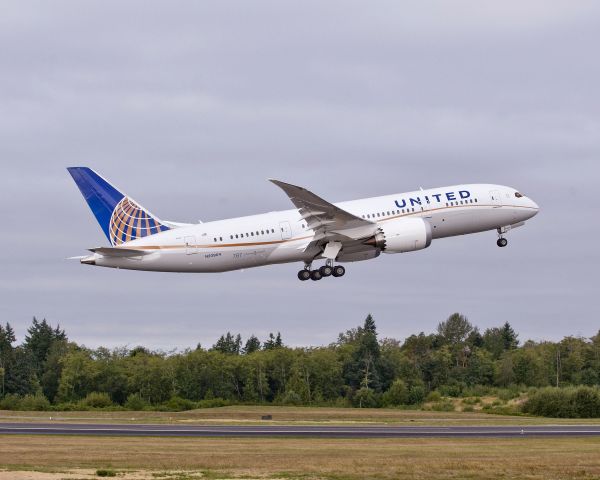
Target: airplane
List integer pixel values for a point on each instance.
(314, 230)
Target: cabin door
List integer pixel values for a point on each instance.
(190, 245)
(495, 198)
(286, 230)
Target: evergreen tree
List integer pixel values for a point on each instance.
(21, 377)
(7, 338)
(509, 337)
(228, 344)
(252, 344)
(39, 339)
(273, 342)
(362, 366)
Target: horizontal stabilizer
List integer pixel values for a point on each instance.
(119, 252)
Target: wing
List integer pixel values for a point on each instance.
(327, 220)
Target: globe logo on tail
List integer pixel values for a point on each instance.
(129, 221)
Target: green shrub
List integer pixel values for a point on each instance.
(103, 472)
(178, 404)
(10, 402)
(580, 402)
(34, 402)
(434, 396)
(136, 402)
(416, 394)
(97, 400)
(587, 402)
(453, 389)
(213, 403)
(365, 398)
(443, 406)
(396, 395)
(468, 408)
(507, 394)
(291, 398)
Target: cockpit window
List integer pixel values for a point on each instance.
(518, 195)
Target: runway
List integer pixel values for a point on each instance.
(161, 430)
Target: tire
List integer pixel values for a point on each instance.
(502, 242)
(304, 275)
(315, 275)
(326, 270)
(338, 271)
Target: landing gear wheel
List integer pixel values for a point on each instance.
(304, 275)
(326, 270)
(338, 271)
(502, 242)
(315, 275)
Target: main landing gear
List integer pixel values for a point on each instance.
(326, 270)
(502, 242)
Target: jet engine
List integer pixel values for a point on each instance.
(403, 235)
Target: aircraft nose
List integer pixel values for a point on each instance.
(534, 206)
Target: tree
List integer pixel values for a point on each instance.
(362, 356)
(509, 337)
(273, 342)
(21, 377)
(252, 345)
(228, 344)
(396, 395)
(455, 329)
(454, 333)
(7, 338)
(39, 339)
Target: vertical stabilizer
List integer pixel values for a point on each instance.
(120, 217)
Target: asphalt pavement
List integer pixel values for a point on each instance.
(388, 431)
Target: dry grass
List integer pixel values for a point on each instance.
(532, 458)
(292, 415)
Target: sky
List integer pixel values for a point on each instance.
(190, 106)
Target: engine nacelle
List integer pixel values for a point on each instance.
(403, 235)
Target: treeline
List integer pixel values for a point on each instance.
(47, 371)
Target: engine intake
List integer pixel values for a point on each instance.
(403, 235)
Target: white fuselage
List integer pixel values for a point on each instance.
(281, 237)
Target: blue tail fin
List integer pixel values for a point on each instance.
(121, 218)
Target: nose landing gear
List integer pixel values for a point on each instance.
(502, 242)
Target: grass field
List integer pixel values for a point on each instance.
(290, 458)
(291, 415)
(136, 458)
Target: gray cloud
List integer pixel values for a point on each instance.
(190, 106)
